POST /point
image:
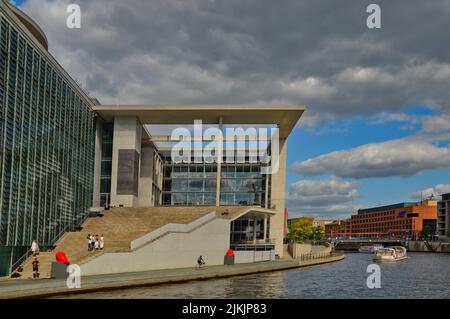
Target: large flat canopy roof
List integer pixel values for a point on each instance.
(286, 116)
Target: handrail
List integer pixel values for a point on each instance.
(54, 239)
(20, 260)
(171, 228)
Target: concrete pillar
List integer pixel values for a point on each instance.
(254, 230)
(125, 161)
(97, 163)
(219, 161)
(278, 200)
(146, 176)
(265, 227)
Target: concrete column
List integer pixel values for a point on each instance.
(146, 176)
(97, 163)
(266, 194)
(265, 227)
(278, 200)
(219, 162)
(254, 230)
(125, 161)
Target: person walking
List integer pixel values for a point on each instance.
(92, 241)
(35, 248)
(96, 243)
(89, 241)
(102, 242)
(35, 264)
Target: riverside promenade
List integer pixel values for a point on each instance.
(41, 288)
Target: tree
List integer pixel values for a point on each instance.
(303, 229)
(426, 230)
(318, 233)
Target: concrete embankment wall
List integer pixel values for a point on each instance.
(420, 246)
(298, 249)
(242, 257)
(173, 250)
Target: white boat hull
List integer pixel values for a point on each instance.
(391, 254)
(389, 258)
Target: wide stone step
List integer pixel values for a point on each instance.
(119, 227)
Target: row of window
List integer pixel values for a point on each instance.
(209, 199)
(46, 145)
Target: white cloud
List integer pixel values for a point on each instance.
(323, 191)
(402, 157)
(327, 198)
(385, 117)
(434, 124)
(436, 191)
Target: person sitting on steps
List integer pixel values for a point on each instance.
(200, 261)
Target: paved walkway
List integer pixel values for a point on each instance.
(51, 287)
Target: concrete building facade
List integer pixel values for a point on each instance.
(400, 220)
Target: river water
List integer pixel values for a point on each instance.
(422, 275)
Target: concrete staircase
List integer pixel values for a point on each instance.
(45, 260)
(119, 226)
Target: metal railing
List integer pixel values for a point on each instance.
(259, 245)
(311, 256)
(55, 238)
(20, 261)
(252, 247)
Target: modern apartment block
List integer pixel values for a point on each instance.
(443, 218)
(63, 155)
(46, 140)
(397, 220)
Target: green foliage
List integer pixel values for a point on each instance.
(318, 233)
(302, 229)
(426, 230)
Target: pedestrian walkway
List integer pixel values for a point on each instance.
(53, 287)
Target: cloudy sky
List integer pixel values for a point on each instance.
(377, 126)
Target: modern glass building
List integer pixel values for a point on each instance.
(46, 141)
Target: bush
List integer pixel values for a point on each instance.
(302, 229)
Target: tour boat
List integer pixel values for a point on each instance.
(370, 249)
(394, 253)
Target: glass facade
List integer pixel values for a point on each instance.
(46, 145)
(157, 179)
(242, 184)
(106, 163)
(195, 184)
(187, 185)
(247, 230)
